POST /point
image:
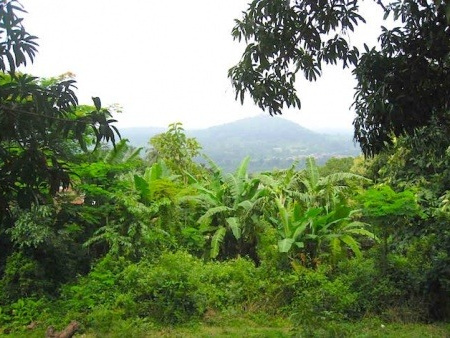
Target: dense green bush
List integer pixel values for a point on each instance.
(167, 291)
(320, 298)
(22, 312)
(375, 292)
(23, 277)
(180, 287)
(236, 283)
(99, 288)
(398, 294)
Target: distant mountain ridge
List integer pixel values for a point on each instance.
(271, 142)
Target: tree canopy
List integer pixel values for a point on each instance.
(39, 120)
(402, 85)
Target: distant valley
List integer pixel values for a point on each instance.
(271, 142)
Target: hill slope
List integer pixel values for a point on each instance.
(271, 142)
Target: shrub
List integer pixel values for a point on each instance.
(235, 283)
(167, 291)
(99, 288)
(180, 287)
(23, 277)
(22, 312)
(375, 292)
(320, 300)
(392, 295)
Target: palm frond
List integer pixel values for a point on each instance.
(241, 172)
(284, 216)
(246, 205)
(206, 192)
(215, 168)
(336, 248)
(312, 171)
(352, 244)
(339, 177)
(235, 226)
(234, 185)
(363, 232)
(284, 245)
(216, 241)
(268, 181)
(206, 218)
(116, 154)
(303, 197)
(208, 200)
(300, 230)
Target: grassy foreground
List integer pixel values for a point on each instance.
(342, 330)
(251, 325)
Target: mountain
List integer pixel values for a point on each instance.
(271, 142)
(139, 136)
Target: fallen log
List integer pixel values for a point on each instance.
(68, 332)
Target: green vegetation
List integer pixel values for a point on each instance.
(401, 86)
(270, 143)
(191, 250)
(162, 246)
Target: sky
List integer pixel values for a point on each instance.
(167, 61)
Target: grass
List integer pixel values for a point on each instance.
(250, 326)
(260, 325)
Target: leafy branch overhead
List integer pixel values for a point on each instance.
(284, 37)
(400, 87)
(16, 45)
(40, 118)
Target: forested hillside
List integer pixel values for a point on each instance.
(100, 239)
(270, 142)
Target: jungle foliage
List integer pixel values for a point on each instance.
(159, 248)
(401, 86)
(129, 243)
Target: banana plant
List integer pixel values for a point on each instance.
(122, 153)
(317, 231)
(230, 200)
(336, 233)
(315, 190)
(280, 184)
(293, 224)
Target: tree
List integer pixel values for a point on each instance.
(400, 87)
(406, 84)
(176, 150)
(37, 118)
(389, 209)
(337, 165)
(43, 128)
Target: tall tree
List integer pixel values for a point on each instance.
(176, 150)
(400, 87)
(38, 117)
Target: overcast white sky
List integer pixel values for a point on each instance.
(167, 61)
